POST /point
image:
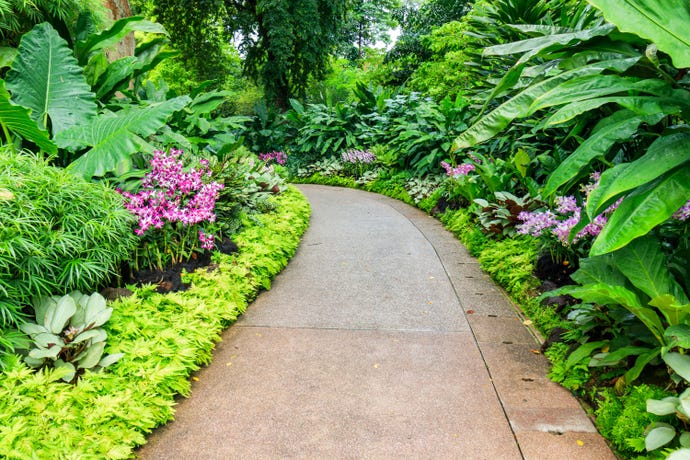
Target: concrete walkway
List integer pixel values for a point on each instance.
(381, 340)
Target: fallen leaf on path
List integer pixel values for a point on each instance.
(580, 443)
(470, 312)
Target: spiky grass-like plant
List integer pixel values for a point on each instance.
(58, 233)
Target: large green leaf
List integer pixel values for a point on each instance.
(604, 294)
(518, 107)
(664, 22)
(592, 86)
(641, 105)
(644, 209)
(665, 154)
(533, 46)
(16, 119)
(110, 37)
(617, 127)
(45, 78)
(596, 270)
(115, 137)
(643, 263)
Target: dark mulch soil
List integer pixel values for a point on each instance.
(170, 279)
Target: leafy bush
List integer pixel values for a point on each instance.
(58, 233)
(164, 338)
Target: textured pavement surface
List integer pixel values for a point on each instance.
(382, 339)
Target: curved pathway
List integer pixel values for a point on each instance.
(381, 340)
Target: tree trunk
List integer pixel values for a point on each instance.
(120, 9)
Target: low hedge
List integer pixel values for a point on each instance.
(165, 337)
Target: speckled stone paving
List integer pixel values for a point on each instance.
(381, 340)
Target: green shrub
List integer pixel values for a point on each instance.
(623, 419)
(58, 233)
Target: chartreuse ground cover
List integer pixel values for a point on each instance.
(163, 338)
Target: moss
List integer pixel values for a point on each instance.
(164, 337)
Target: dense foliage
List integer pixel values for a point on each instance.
(163, 338)
(58, 233)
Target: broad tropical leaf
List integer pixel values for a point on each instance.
(518, 107)
(663, 22)
(16, 119)
(605, 294)
(115, 137)
(643, 263)
(45, 78)
(109, 37)
(665, 154)
(533, 46)
(617, 127)
(644, 209)
(597, 270)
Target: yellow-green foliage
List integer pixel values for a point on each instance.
(511, 263)
(164, 338)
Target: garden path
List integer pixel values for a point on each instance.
(382, 339)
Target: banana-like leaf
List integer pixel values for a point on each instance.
(617, 127)
(644, 209)
(517, 107)
(17, 120)
(663, 22)
(593, 86)
(643, 105)
(665, 154)
(643, 263)
(115, 137)
(45, 78)
(110, 37)
(533, 46)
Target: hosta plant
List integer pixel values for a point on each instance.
(660, 434)
(68, 334)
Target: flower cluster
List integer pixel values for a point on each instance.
(566, 216)
(460, 170)
(683, 213)
(170, 194)
(358, 156)
(278, 157)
